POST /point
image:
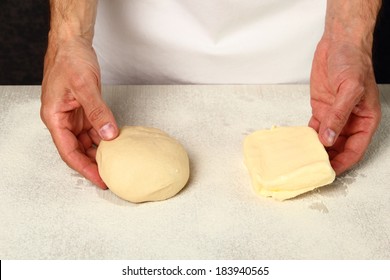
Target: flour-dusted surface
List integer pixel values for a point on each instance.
(48, 211)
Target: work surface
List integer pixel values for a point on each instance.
(48, 211)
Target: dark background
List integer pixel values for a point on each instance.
(23, 37)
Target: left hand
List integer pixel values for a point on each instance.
(345, 101)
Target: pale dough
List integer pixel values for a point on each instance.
(143, 164)
(284, 162)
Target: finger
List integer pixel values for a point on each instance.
(344, 161)
(96, 110)
(337, 148)
(87, 146)
(94, 136)
(70, 152)
(332, 154)
(85, 140)
(347, 98)
(91, 153)
(314, 123)
(353, 151)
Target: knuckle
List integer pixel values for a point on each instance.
(96, 114)
(81, 81)
(354, 88)
(43, 114)
(355, 83)
(46, 116)
(65, 158)
(340, 116)
(78, 82)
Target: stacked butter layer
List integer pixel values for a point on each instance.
(285, 162)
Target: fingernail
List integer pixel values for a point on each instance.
(107, 131)
(330, 136)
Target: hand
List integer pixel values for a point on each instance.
(72, 107)
(345, 101)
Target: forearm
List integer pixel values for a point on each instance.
(71, 18)
(353, 21)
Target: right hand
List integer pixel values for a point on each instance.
(72, 107)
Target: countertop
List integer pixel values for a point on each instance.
(48, 211)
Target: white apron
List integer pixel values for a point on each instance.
(207, 42)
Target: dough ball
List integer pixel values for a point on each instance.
(143, 164)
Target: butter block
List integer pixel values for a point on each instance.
(284, 162)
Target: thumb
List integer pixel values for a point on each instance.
(99, 114)
(338, 115)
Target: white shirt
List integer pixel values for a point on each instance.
(207, 42)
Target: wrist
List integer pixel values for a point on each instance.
(65, 37)
(351, 21)
(72, 19)
(69, 31)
